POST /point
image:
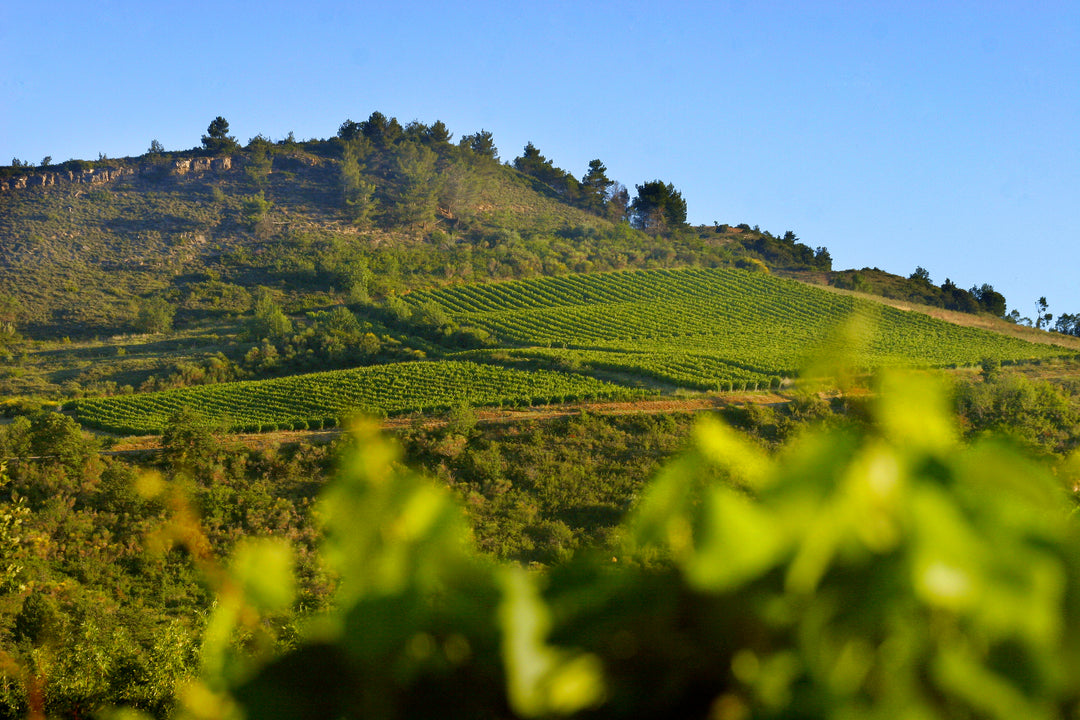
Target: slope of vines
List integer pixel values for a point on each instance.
(687, 370)
(712, 328)
(706, 329)
(318, 400)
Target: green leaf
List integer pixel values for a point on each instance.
(961, 674)
(542, 680)
(740, 541)
(387, 530)
(745, 463)
(264, 569)
(914, 412)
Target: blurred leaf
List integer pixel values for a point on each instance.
(837, 357)
(388, 530)
(664, 518)
(264, 570)
(541, 680)
(745, 463)
(312, 682)
(948, 557)
(126, 714)
(861, 573)
(914, 412)
(740, 541)
(961, 674)
(199, 702)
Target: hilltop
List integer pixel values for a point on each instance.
(377, 210)
(318, 223)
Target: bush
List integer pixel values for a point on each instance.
(253, 211)
(752, 265)
(155, 315)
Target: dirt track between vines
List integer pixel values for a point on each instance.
(486, 416)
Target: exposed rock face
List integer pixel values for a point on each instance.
(99, 176)
(199, 165)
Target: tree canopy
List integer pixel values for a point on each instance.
(991, 300)
(349, 130)
(658, 206)
(595, 185)
(217, 139)
(532, 162)
(380, 130)
(482, 143)
(920, 273)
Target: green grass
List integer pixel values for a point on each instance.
(318, 400)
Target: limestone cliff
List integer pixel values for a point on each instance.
(101, 175)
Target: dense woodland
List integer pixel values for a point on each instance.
(827, 545)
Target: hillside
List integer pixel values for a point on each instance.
(227, 264)
(542, 350)
(552, 339)
(78, 256)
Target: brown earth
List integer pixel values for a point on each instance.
(661, 406)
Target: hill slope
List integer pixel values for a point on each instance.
(79, 258)
(758, 323)
(707, 329)
(292, 257)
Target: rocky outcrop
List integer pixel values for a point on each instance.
(95, 176)
(102, 175)
(201, 165)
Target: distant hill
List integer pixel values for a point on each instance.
(558, 339)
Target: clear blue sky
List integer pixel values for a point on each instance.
(940, 134)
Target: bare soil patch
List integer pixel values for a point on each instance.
(661, 406)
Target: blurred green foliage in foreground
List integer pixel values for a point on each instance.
(859, 573)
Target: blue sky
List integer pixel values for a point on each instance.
(940, 134)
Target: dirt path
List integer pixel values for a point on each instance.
(661, 406)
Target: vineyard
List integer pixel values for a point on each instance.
(712, 329)
(685, 370)
(319, 400)
(704, 329)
